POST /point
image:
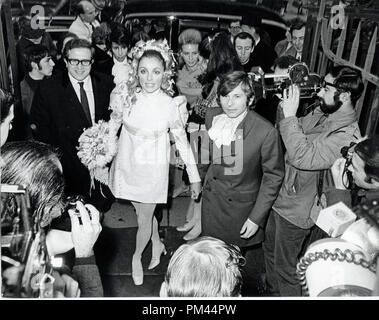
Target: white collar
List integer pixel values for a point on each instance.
(223, 130)
(87, 81)
(123, 62)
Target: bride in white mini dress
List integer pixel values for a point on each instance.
(139, 172)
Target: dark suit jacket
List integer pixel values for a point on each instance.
(264, 56)
(59, 120)
(102, 62)
(250, 188)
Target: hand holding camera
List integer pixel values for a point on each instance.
(84, 234)
(291, 100)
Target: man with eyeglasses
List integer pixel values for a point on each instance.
(313, 143)
(234, 29)
(63, 107)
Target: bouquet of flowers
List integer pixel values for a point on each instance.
(97, 147)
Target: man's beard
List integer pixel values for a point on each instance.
(329, 108)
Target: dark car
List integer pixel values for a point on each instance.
(205, 15)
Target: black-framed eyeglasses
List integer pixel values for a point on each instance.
(75, 62)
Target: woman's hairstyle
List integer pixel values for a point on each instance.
(6, 102)
(35, 165)
(77, 44)
(231, 81)
(347, 80)
(284, 62)
(153, 54)
(138, 36)
(100, 34)
(34, 53)
(205, 267)
(223, 59)
(189, 36)
(119, 35)
(368, 151)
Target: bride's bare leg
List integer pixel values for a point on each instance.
(158, 248)
(145, 212)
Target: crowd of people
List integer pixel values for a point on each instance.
(257, 168)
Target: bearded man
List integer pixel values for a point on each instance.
(313, 143)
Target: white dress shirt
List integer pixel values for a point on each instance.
(89, 91)
(83, 29)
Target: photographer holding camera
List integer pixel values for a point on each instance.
(36, 166)
(313, 143)
(362, 162)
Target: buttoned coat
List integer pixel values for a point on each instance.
(58, 119)
(242, 181)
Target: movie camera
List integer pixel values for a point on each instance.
(309, 83)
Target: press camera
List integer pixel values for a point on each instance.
(309, 83)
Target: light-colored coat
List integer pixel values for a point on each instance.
(310, 149)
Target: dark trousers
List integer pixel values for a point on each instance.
(283, 246)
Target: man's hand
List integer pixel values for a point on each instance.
(337, 173)
(248, 229)
(291, 100)
(195, 190)
(84, 235)
(65, 286)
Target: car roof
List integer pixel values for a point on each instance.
(222, 9)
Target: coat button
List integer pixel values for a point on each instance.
(230, 199)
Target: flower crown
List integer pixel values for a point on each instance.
(167, 54)
(160, 46)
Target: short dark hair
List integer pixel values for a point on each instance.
(296, 24)
(6, 101)
(284, 62)
(119, 35)
(368, 151)
(101, 34)
(76, 44)
(348, 80)
(231, 81)
(34, 53)
(243, 36)
(138, 36)
(35, 165)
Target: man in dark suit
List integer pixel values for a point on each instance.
(246, 166)
(263, 54)
(63, 107)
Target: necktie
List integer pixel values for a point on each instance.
(84, 101)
